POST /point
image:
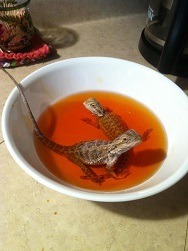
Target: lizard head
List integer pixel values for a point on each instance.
(122, 144)
(94, 106)
(125, 142)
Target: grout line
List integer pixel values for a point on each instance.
(186, 237)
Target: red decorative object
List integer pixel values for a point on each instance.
(38, 50)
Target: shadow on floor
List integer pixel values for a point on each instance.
(59, 37)
(171, 203)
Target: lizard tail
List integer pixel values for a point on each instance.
(49, 143)
(29, 112)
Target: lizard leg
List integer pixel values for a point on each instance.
(112, 174)
(102, 176)
(87, 170)
(112, 166)
(90, 122)
(145, 135)
(121, 165)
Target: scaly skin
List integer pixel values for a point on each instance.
(111, 124)
(95, 152)
(86, 153)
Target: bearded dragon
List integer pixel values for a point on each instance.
(86, 153)
(111, 124)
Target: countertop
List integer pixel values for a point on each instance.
(34, 217)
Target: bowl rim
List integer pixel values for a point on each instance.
(92, 195)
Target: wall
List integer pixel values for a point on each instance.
(47, 13)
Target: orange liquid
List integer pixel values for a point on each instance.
(62, 123)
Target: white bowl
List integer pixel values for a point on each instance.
(70, 76)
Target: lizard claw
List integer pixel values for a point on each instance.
(86, 120)
(119, 175)
(145, 135)
(99, 179)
